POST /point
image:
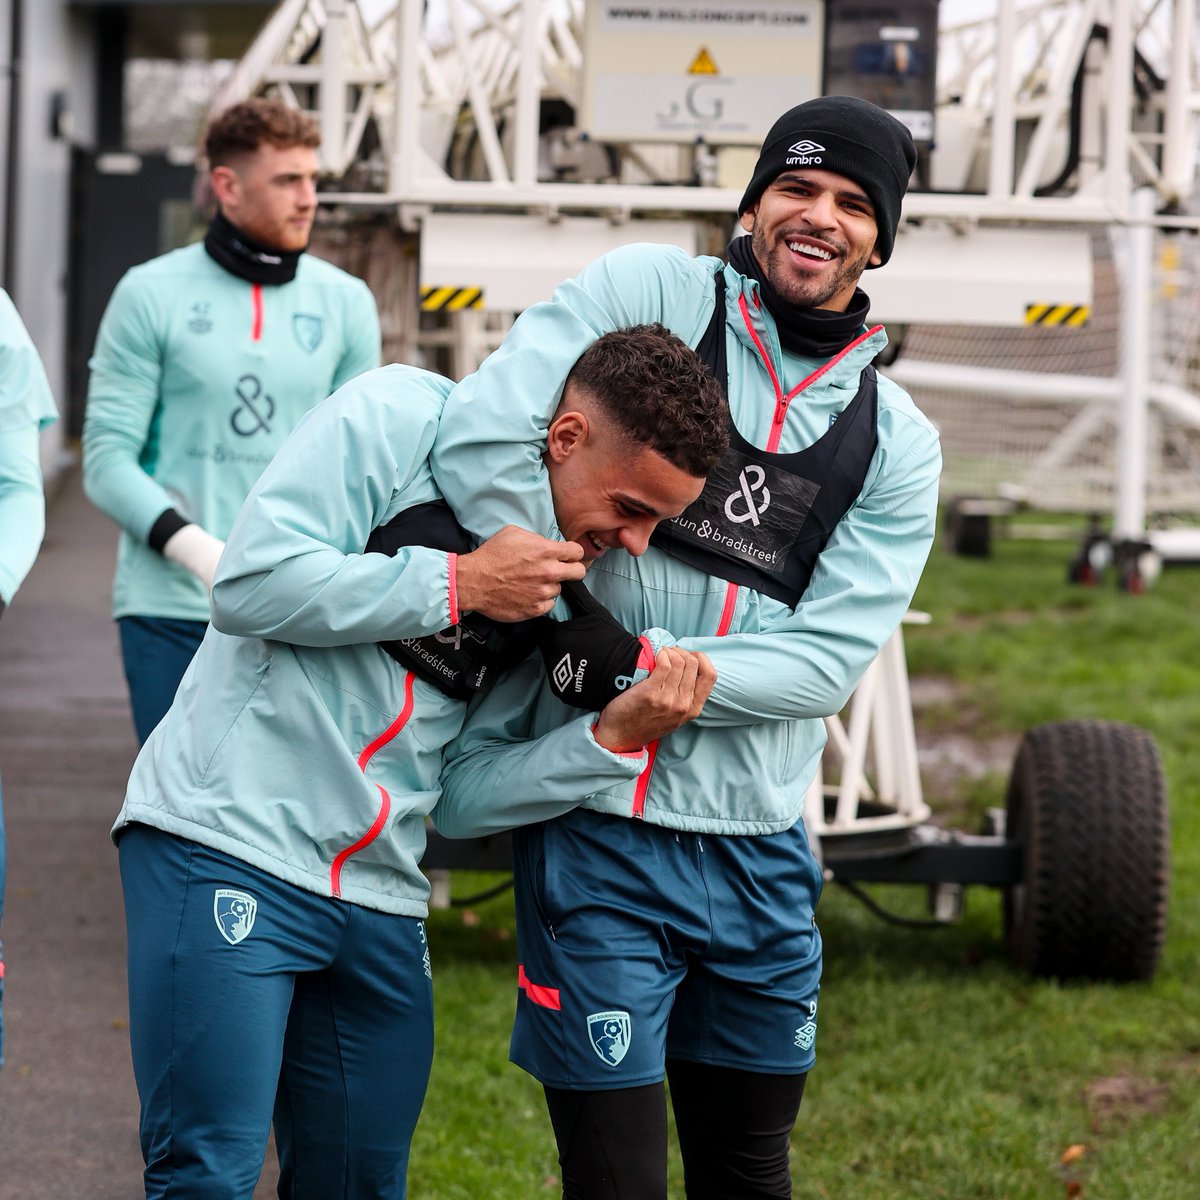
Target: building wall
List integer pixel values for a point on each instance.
(56, 60)
(5, 71)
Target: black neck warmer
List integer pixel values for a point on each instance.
(810, 332)
(240, 255)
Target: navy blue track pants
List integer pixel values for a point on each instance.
(156, 652)
(3, 872)
(253, 999)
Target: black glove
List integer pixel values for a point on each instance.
(465, 660)
(591, 657)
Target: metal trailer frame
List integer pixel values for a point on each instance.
(1019, 67)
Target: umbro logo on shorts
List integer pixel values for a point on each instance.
(807, 1033)
(426, 965)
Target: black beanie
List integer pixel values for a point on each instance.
(849, 137)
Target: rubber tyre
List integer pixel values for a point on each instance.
(1088, 802)
(1081, 570)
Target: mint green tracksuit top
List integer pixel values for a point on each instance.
(26, 407)
(197, 378)
(743, 766)
(294, 742)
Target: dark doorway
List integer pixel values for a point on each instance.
(125, 208)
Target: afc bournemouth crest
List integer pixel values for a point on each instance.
(308, 330)
(234, 913)
(610, 1032)
(201, 318)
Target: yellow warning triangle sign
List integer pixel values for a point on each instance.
(703, 64)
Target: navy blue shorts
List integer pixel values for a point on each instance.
(252, 998)
(638, 944)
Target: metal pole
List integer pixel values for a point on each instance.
(529, 82)
(406, 99)
(1129, 518)
(333, 88)
(481, 105)
(1000, 166)
(1119, 106)
(12, 167)
(1179, 153)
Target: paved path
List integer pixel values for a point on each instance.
(68, 1109)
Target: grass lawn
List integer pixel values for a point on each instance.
(942, 1071)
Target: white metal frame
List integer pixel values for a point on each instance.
(1017, 67)
(871, 754)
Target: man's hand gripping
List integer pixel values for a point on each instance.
(592, 660)
(670, 696)
(516, 574)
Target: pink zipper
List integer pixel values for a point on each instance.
(385, 804)
(781, 407)
(256, 303)
(643, 783)
(782, 401)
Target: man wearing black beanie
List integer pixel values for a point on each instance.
(849, 137)
(666, 927)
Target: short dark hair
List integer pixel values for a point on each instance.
(243, 127)
(659, 393)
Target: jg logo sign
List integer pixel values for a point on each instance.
(701, 103)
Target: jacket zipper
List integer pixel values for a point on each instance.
(782, 401)
(643, 783)
(256, 305)
(385, 804)
(781, 408)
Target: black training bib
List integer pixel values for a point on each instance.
(750, 511)
(462, 660)
(763, 519)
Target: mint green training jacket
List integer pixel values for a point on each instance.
(743, 766)
(26, 407)
(197, 378)
(294, 742)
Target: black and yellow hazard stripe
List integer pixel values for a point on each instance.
(450, 299)
(1071, 315)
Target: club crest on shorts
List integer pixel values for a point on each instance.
(610, 1033)
(234, 913)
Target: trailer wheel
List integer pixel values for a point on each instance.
(1088, 802)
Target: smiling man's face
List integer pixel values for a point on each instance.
(813, 233)
(609, 493)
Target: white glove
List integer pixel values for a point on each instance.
(195, 550)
